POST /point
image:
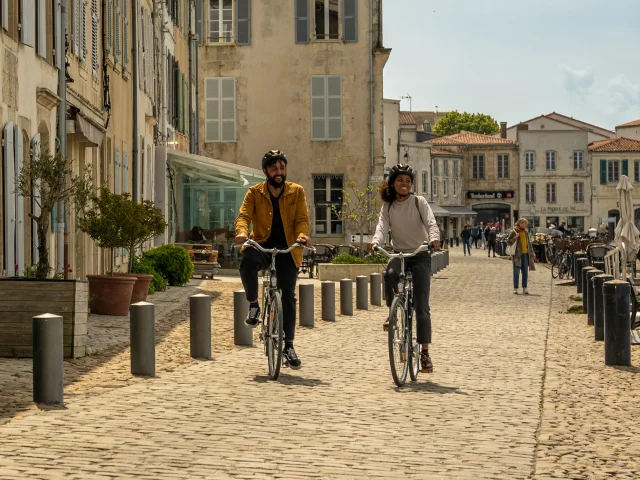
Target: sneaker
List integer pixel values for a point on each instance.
(515, 292)
(525, 291)
(425, 361)
(291, 359)
(385, 325)
(253, 318)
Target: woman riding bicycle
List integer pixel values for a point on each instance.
(412, 223)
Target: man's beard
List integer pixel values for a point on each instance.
(275, 184)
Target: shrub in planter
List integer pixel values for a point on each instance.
(171, 262)
(145, 266)
(348, 259)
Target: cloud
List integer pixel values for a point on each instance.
(623, 95)
(578, 83)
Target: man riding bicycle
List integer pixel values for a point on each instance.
(415, 224)
(278, 211)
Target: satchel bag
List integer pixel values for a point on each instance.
(511, 249)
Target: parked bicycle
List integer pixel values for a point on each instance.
(271, 333)
(404, 349)
(562, 266)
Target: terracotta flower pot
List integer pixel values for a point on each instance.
(141, 287)
(110, 295)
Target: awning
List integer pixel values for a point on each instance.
(85, 131)
(460, 211)
(207, 169)
(437, 210)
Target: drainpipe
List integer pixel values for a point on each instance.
(371, 78)
(192, 148)
(62, 130)
(196, 132)
(134, 81)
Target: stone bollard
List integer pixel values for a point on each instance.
(375, 280)
(585, 291)
(48, 357)
(598, 301)
(200, 326)
(617, 326)
(580, 265)
(346, 296)
(328, 290)
(590, 294)
(434, 267)
(577, 256)
(143, 339)
(305, 305)
(362, 292)
(242, 334)
(448, 259)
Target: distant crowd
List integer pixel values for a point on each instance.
(483, 234)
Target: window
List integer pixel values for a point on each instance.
(94, 38)
(327, 19)
(478, 166)
(530, 192)
(578, 192)
(576, 224)
(220, 109)
(327, 191)
(436, 164)
(445, 167)
(551, 160)
(456, 171)
(326, 107)
(503, 166)
(117, 30)
(424, 183)
(551, 193)
(636, 171)
(434, 187)
(455, 187)
(529, 160)
(125, 173)
(613, 171)
(578, 163)
(610, 170)
(116, 176)
(445, 191)
(220, 21)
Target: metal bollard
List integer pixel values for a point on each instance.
(242, 334)
(577, 256)
(143, 339)
(585, 291)
(375, 280)
(328, 290)
(590, 294)
(200, 326)
(48, 357)
(598, 301)
(362, 292)
(447, 257)
(346, 296)
(434, 268)
(580, 265)
(617, 327)
(305, 305)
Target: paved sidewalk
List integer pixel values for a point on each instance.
(338, 417)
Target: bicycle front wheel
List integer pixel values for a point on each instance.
(555, 268)
(274, 335)
(397, 342)
(414, 349)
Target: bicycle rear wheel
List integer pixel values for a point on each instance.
(397, 342)
(555, 268)
(274, 335)
(414, 346)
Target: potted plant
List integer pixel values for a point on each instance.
(116, 221)
(359, 208)
(346, 265)
(45, 180)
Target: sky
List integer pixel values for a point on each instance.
(515, 59)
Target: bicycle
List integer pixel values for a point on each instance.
(271, 332)
(403, 327)
(563, 265)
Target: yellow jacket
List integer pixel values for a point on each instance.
(257, 209)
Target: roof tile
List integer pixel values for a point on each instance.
(439, 152)
(407, 119)
(470, 138)
(635, 123)
(615, 145)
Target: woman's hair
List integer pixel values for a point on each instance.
(522, 220)
(387, 192)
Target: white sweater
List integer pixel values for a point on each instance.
(408, 231)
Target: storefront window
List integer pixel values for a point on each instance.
(575, 224)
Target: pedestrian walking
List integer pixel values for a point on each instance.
(465, 235)
(491, 241)
(483, 240)
(475, 232)
(523, 258)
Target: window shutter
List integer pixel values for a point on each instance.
(5, 14)
(186, 104)
(110, 26)
(35, 208)
(19, 199)
(125, 35)
(75, 25)
(116, 175)
(243, 22)
(212, 109)
(180, 101)
(318, 108)
(9, 200)
(117, 32)
(83, 30)
(200, 21)
(334, 107)
(125, 173)
(603, 172)
(41, 20)
(350, 20)
(625, 167)
(302, 21)
(27, 22)
(94, 37)
(228, 109)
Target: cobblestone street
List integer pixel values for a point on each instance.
(519, 391)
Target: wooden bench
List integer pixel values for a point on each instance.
(203, 257)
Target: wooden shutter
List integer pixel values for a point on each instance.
(117, 31)
(302, 21)
(83, 30)
(75, 26)
(625, 167)
(186, 104)
(35, 208)
(180, 102)
(27, 22)
(200, 21)
(94, 37)
(603, 172)
(334, 107)
(228, 109)
(41, 28)
(243, 22)
(116, 175)
(318, 108)
(19, 199)
(212, 109)
(125, 35)
(4, 4)
(125, 173)
(350, 21)
(110, 26)
(9, 200)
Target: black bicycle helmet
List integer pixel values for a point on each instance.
(271, 156)
(404, 169)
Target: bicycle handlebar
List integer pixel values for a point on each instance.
(424, 247)
(257, 246)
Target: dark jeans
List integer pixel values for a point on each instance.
(252, 262)
(474, 241)
(466, 245)
(491, 246)
(420, 266)
(524, 261)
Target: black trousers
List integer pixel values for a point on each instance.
(252, 262)
(420, 266)
(491, 246)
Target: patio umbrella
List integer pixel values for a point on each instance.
(626, 230)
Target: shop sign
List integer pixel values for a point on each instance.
(490, 195)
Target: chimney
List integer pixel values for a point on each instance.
(503, 129)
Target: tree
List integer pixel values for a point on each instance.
(357, 207)
(454, 122)
(47, 179)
